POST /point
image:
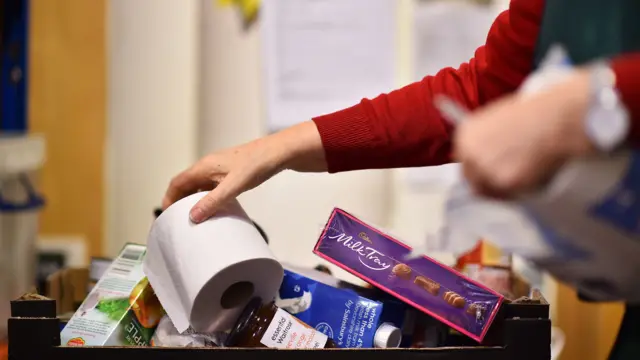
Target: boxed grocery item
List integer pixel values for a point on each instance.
(488, 265)
(97, 268)
(395, 311)
(122, 308)
(424, 283)
(484, 254)
(68, 287)
(352, 321)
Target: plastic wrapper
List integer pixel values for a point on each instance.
(167, 335)
(422, 282)
(583, 227)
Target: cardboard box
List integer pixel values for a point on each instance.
(122, 309)
(68, 287)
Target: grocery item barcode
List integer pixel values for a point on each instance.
(133, 254)
(127, 261)
(122, 269)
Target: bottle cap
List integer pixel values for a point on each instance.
(387, 336)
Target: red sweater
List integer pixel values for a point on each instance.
(404, 129)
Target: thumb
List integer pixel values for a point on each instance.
(214, 200)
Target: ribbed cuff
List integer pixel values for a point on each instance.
(347, 135)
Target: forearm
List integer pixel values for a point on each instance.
(299, 148)
(404, 129)
(390, 131)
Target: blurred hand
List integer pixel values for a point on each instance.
(229, 173)
(516, 144)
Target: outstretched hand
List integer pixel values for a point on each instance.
(225, 175)
(228, 173)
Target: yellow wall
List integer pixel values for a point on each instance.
(591, 328)
(67, 99)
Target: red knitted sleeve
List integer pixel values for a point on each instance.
(403, 129)
(627, 69)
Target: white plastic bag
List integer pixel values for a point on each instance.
(584, 228)
(166, 335)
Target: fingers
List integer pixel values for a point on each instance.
(184, 184)
(207, 206)
(478, 182)
(481, 181)
(499, 183)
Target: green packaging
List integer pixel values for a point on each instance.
(122, 308)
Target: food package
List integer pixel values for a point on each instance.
(422, 282)
(352, 321)
(122, 308)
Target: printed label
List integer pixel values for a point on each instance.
(287, 332)
(129, 259)
(121, 309)
(367, 255)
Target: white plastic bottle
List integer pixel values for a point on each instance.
(387, 336)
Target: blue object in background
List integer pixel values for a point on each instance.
(621, 207)
(13, 75)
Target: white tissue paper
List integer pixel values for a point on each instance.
(584, 228)
(205, 274)
(166, 335)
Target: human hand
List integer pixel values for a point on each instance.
(516, 144)
(229, 173)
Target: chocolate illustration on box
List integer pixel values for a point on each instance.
(424, 283)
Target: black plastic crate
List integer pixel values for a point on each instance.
(519, 332)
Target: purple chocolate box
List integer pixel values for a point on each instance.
(424, 283)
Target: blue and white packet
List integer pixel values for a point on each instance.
(583, 228)
(394, 312)
(352, 321)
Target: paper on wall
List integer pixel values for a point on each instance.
(445, 34)
(323, 56)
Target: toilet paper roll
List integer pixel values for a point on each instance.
(204, 274)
